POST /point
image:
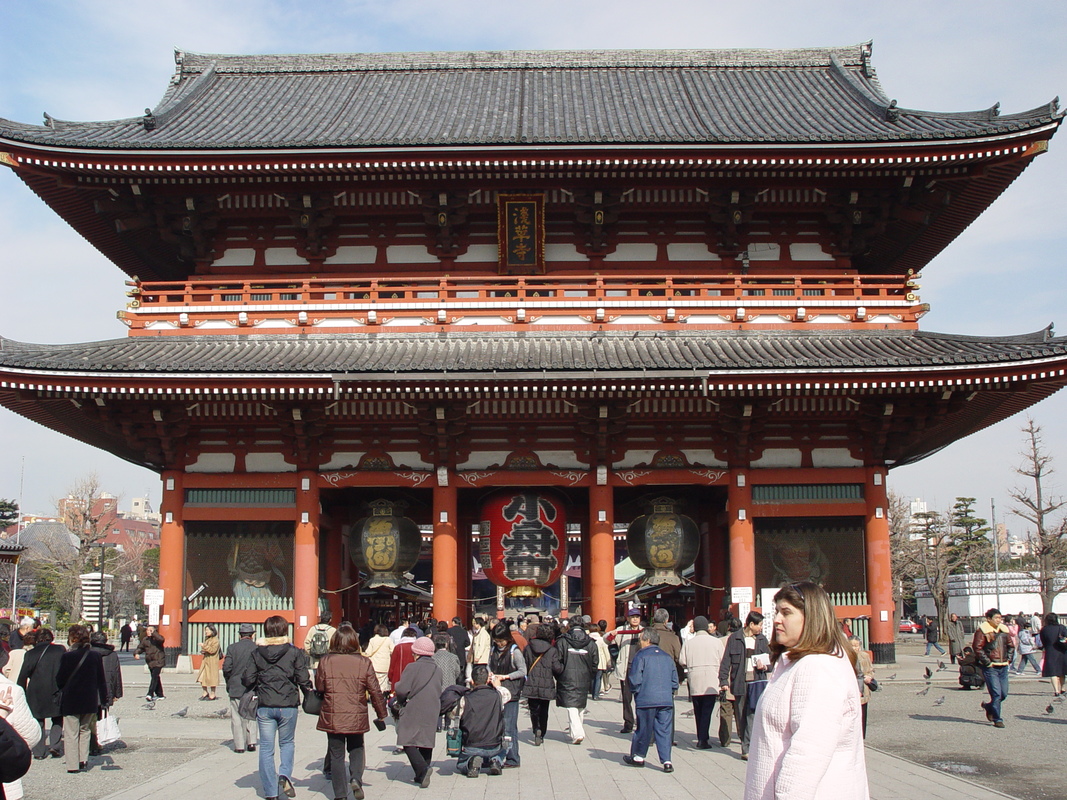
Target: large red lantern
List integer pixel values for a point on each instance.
(524, 540)
(664, 543)
(386, 544)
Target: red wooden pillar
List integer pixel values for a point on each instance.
(742, 533)
(601, 571)
(446, 561)
(879, 570)
(306, 555)
(172, 562)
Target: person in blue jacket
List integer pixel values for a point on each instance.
(653, 679)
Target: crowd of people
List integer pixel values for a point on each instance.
(796, 700)
(439, 676)
(52, 696)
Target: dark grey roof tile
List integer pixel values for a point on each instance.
(524, 97)
(505, 354)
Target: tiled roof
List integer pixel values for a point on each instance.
(508, 355)
(521, 98)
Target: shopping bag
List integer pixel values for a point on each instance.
(107, 730)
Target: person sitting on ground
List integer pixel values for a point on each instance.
(482, 725)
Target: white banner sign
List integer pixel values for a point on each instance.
(741, 594)
(153, 597)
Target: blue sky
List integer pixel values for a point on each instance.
(95, 61)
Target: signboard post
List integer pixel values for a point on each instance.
(153, 598)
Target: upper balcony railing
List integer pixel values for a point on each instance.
(337, 304)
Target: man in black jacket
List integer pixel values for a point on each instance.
(238, 657)
(482, 724)
(461, 638)
(112, 675)
(38, 679)
(580, 660)
(743, 664)
(277, 671)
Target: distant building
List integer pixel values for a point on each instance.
(141, 508)
(970, 594)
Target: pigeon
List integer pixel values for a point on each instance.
(940, 701)
(927, 673)
(1049, 709)
(923, 692)
(222, 712)
(891, 677)
(150, 705)
(181, 713)
(941, 666)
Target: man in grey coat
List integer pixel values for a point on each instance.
(238, 657)
(956, 637)
(702, 656)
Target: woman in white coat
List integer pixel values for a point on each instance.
(808, 741)
(14, 709)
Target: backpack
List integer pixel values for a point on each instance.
(320, 643)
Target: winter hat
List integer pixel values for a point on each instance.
(700, 623)
(423, 646)
(246, 629)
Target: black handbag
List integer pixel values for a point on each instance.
(248, 705)
(312, 702)
(396, 707)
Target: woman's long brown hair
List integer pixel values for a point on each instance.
(822, 632)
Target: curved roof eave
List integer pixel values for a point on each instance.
(613, 147)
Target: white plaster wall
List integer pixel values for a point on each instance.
(834, 457)
(764, 251)
(268, 462)
(409, 254)
(633, 252)
(635, 457)
(808, 251)
(784, 457)
(353, 254)
(485, 459)
(283, 256)
(480, 252)
(690, 251)
(562, 251)
(345, 460)
(237, 257)
(564, 459)
(705, 458)
(213, 462)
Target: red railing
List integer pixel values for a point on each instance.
(519, 298)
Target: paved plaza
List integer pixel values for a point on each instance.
(162, 754)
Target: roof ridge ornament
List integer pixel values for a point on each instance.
(149, 120)
(866, 48)
(892, 113)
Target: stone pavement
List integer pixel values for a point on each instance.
(557, 769)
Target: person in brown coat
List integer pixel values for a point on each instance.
(151, 648)
(346, 677)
